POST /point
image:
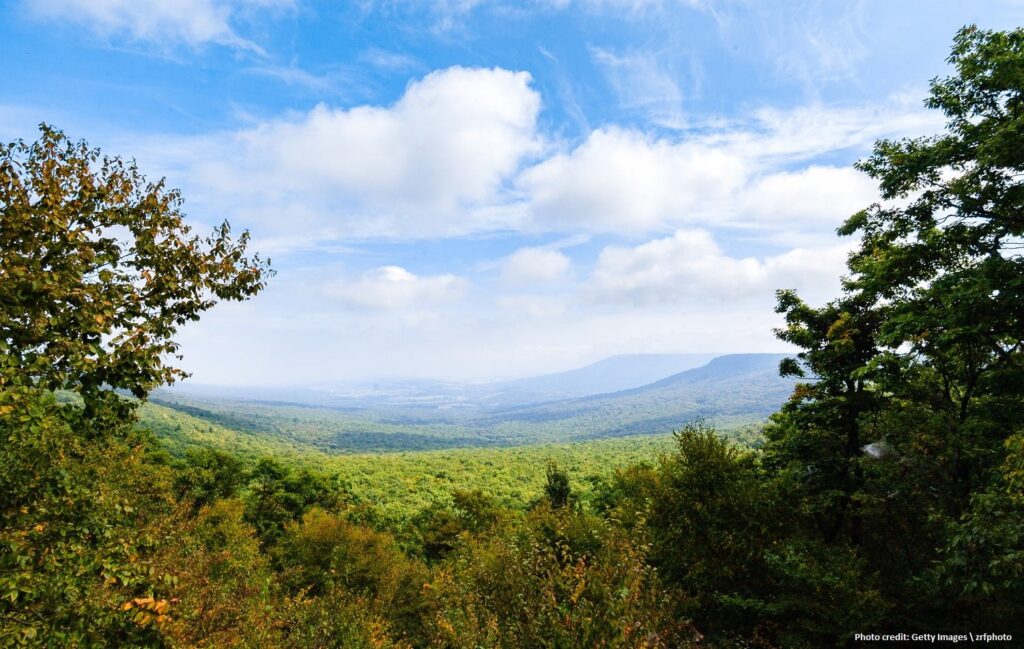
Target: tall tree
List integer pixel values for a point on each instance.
(915, 373)
(822, 425)
(943, 250)
(98, 270)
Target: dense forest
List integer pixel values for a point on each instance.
(887, 494)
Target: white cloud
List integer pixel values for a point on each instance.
(332, 81)
(626, 181)
(434, 162)
(393, 287)
(804, 132)
(387, 60)
(449, 141)
(817, 193)
(534, 265)
(627, 7)
(459, 152)
(534, 306)
(812, 43)
(166, 22)
(752, 174)
(690, 267)
(258, 345)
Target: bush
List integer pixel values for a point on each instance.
(555, 579)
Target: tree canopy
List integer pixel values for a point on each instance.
(904, 434)
(98, 270)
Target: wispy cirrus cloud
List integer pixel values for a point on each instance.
(164, 22)
(644, 84)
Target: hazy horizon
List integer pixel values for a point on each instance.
(426, 377)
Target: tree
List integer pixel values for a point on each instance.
(98, 270)
(943, 250)
(898, 441)
(821, 426)
(78, 517)
(208, 475)
(556, 486)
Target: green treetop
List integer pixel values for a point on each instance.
(98, 270)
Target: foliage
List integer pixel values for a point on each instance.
(221, 587)
(74, 534)
(326, 554)
(823, 422)
(982, 563)
(98, 270)
(898, 447)
(400, 485)
(626, 497)
(556, 486)
(336, 620)
(278, 494)
(441, 529)
(888, 492)
(556, 579)
(207, 475)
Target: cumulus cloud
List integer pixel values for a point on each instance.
(436, 161)
(460, 152)
(393, 287)
(623, 180)
(449, 141)
(534, 265)
(690, 266)
(815, 193)
(166, 22)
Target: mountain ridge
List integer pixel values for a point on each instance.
(733, 391)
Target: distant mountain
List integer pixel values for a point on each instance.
(609, 375)
(612, 374)
(731, 392)
(721, 368)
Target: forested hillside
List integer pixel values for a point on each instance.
(885, 495)
(401, 482)
(732, 392)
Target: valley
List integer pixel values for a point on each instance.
(733, 392)
(399, 455)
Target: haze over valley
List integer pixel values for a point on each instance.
(618, 397)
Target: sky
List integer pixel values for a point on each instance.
(482, 189)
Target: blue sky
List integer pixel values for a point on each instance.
(476, 189)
